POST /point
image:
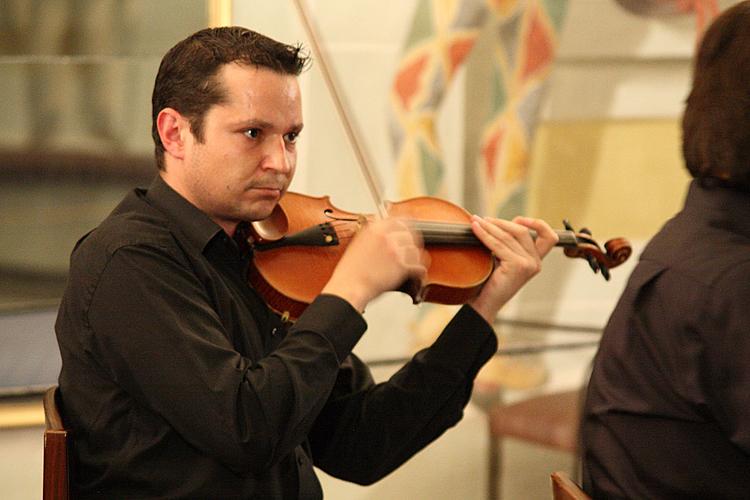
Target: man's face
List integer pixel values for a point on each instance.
(248, 154)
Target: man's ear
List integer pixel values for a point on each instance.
(173, 131)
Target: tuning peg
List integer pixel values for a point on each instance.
(593, 264)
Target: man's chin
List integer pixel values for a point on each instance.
(260, 211)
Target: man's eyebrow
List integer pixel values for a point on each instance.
(252, 123)
(263, 124)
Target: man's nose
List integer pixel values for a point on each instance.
(277, 155)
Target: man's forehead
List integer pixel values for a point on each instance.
(260, 87)
(258, 96)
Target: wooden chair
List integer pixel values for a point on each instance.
(550, 420)
(57, 444)
(564, 488)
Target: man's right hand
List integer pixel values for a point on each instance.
(379, 259)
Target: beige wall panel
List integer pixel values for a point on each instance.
(382, 22)
(597, 29)
(617, 90)
(619, 178)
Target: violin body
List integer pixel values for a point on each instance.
(289, 272)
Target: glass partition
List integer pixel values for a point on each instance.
(75, 135)
(75, 124)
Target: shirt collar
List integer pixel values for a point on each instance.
(197, 227)
(721, 205)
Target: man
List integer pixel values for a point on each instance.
(668, 407)
(177, 380)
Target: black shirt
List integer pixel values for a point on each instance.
(178, 382)
(668, 408)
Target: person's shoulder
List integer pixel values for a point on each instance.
(719, 259)
(699, 252)
(132, 223)
(134, 228)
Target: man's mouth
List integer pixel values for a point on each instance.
(270, 189)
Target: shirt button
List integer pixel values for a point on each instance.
(273, 331)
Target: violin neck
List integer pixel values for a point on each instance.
(566, 238)
(444, 233)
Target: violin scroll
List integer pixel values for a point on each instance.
(581, 245)
(618, 251)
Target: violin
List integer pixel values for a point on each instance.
(297, 248)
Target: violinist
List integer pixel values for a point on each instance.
(668, 406)
(177, 379)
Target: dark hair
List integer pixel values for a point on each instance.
(187, 82)
(716, 123)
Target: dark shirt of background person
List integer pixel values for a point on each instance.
(667, 413)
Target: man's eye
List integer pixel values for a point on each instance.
(253, 133)
(291, 137)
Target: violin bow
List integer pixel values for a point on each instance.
(363, 158)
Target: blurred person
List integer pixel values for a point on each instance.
(667, 413)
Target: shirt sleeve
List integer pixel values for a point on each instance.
(726, 333)
(154, 331)
(367, 430)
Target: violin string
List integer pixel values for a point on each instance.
(424, 227)
(436, 232)
(432, 232)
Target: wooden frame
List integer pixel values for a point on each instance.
(564, 488)
(57, 444)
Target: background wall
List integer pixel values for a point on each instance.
(608, 150)
(606, 156)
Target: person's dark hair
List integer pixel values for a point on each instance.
(186, 80)
(716, 123)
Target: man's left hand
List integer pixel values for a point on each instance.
(519, 258)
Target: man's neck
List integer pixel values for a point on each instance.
(229, 227)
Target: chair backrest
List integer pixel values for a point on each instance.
(57, 444)
(564, 488)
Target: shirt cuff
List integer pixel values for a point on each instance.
(336, 320)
